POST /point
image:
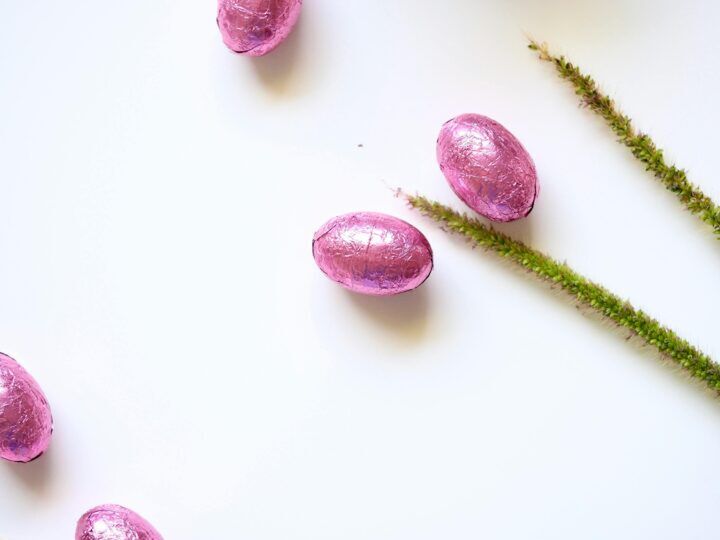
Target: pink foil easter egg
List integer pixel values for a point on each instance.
(487, 167)
(256, 27)
(25, 420)
(113, 522)
(373, 254)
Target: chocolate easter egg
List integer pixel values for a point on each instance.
(25, 420)
(256, 27)
(113, 522)
(373, 253)
(487, 167)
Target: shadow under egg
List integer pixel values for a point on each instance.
(37, 475)
(521, 229)
(277, 71)
(402, 318)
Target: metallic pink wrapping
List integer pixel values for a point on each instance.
(25, 420)
(256, 27)
(373, 254)
(112, 522)
(487, 167)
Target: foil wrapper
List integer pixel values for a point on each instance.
(256, 27)
(487, 167)
(25, 419)
(113, 522)
(373, 254)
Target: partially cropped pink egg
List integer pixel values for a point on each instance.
(25, 420)
(374, 254)
(256, 27)
(487, 167)
(113, 522)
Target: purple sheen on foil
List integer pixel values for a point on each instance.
(373, 254)
(487, 167)
(256, 27)
(25, 420)
(113, 522)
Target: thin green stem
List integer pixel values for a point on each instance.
(587, 293)
(640, 144)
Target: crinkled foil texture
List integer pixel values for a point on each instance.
(373, 253)
(256, 27)
(487, 167)
(113, 522)
(25, 420)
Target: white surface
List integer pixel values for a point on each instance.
(159, 196)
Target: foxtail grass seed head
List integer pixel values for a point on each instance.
(640, 144)
(584, 291)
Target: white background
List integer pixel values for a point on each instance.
(159, 197)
